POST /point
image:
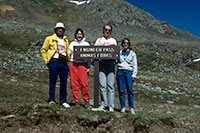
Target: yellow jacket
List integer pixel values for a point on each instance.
(50, 46)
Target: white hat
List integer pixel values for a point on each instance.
(59, 24)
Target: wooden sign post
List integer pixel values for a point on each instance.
(96, 53)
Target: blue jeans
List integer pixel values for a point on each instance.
(124, 79)
(58, 68)
(106, 79)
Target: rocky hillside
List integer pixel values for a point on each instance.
(33, 19)
(26, 21)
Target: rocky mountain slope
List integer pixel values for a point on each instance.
(32, 18)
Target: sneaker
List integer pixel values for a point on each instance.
(111, 109)
(132, 111)
(52, 102)
(123, 110)
(65, 105)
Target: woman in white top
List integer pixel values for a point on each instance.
(78, 70)
(126, 74)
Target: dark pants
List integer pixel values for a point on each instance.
(58, 68)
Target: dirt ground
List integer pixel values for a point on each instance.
(54, 120)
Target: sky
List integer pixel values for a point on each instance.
(182, 14)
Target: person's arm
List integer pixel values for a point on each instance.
(71, 48)
(44, 50)
(135, 69)
(67, 50)
(114, 42)
(88, 66)
(89, 60)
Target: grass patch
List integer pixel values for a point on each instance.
(167, 121)
(26, 110)
(194, 65)
(46, 108)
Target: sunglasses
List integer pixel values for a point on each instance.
(108, 30)
(125, 42)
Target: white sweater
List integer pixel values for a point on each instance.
(129, 64)
(77, 43)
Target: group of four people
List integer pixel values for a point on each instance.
(56, 50)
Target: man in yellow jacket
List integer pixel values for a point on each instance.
(55, 54)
